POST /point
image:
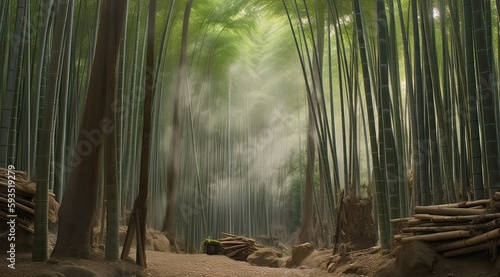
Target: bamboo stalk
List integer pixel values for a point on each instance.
(447, 211)
(473, 248)
(493, 234)
(23, 224)
(401, 220)
(398, 237)
(235, 252)
(464, 204)
(235, 247)
(466, 217)
(437, 236)
(432, 229)
(19, 206)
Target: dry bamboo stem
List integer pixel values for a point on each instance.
(466, 217)
(19, 206)
(401, 220)
(447, 211)
(430, 229)
(473, 248)
(438, 236)
(493, 234)
(235, 247)
(464, 204)
(434, 229)
(25, 225)
(427, 216)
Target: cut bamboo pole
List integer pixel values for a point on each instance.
(398, 237)
(496, 196)
(471, 249)
(431, 229)
(493, 234)
(464, 204)
(447, 211)
(466, 217)
(438, 236)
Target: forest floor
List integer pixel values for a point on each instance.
(363, 263)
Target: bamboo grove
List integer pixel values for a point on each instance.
(247, 117)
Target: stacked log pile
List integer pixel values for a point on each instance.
(454, 229)
(237, 247)
(24, 197)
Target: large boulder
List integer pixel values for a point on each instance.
(300, 252)
(264, 257)
(155, 240)
(161, 242)
(415, 259)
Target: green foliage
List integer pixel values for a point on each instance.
(206, 241)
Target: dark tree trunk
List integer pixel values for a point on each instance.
(78, 204)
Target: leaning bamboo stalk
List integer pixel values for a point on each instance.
(493, 234)
(437, 236)
(447, 211)
(471, 249)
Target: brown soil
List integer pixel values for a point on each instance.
(360, 263)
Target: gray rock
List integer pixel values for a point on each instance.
(264, 257)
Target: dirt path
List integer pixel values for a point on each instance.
(197, 265)
(160, 264)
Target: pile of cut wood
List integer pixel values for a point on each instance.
(454, 229)
(237, 247)
(24, 196)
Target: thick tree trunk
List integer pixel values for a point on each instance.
(78, 204)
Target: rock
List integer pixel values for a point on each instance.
(149, 240)
(300, 252)
(264, 257)
(161, 243)
(415, 259)
(76, 271)
(316, 258)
